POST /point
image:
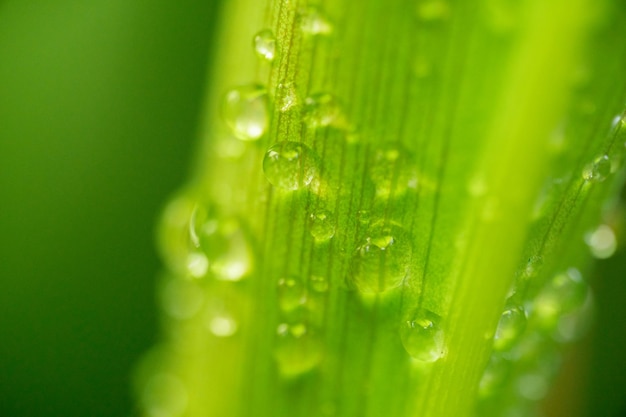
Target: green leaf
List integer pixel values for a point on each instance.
(389, 208)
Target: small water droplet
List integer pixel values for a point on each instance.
(197, 264)
(322, 225)
(510, 327)
(298, 350)
(291, 293)
(422, 337)
(164, 396)
(265, 44)
(494, 376)
(381, 262)
(222, 324)
(227, 249)
(181, 299)
(564, 293)
(290, 165)
(431, 10)
(245, 111)
(392, 171)
(602, 242)
(533, 386)
(363, 216)
(598, 170)
(319, 284)
(314, 23)
(286, 96)
(321, 110)
(533, 265)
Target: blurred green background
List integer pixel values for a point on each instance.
(99, 103)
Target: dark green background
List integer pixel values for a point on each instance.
(99, 103)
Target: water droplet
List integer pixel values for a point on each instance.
(314, 23)
(197, 264)
(533, 386)
(392, 171)
(510, 327)
(533, 265)
(598, 170)
(381, 262)
(164, 396)
(291, 293)
(227, 249)
(431, 10)
(245, 111)
(319, 284)
(321, 110)
(286, 96)
(602, 242)
(298, 350)
(422, 337)
(222, 324)
(363, 216)
(181, 299)
(265, 45)
(494, 376)
(175, 243)
(290, 165)
(564, 293)
(322, 225)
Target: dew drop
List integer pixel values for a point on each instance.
(381, 261)
(222, 324)
(392, 171)
(321, 225)
(321, 110)
(494, 376)
(197, 264)
(510, 327)
(227, 248)
(290, 165)
(363, 216)
(564, 293)
(286, 97)
(602, 242)
(291, 293)
(598, 170)
(314, 23)
(298, 350)
(164, 396)
(422, 337)
(319, 284)
(245, 111)
(265, 44)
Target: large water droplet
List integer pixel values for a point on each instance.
(314, 23)
(164, 396)
(321, 225)
(392, 171)
(291, 293)
(227, 249)
(290, 165)
(422, 337)
(564, 293)
(598, 170)
(265, 44)
(245, 111)
(297, 349)
(602, 242)
(510, 327)
(321, 110)
(381, 261)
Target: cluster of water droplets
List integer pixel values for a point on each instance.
(525, 344)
